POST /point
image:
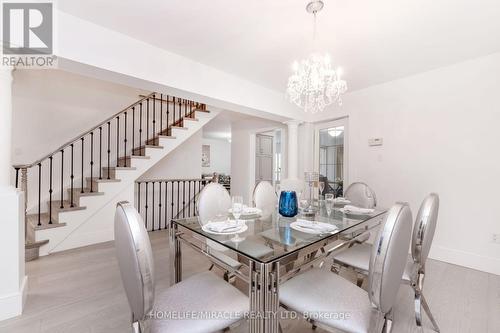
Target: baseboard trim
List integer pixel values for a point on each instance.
(466, 259)
(12, 305)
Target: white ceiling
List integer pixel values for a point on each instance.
(373, 41)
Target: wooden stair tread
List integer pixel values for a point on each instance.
(103, 180)
(86, 192)
(44, 220)
(119, 168)
(33, 245)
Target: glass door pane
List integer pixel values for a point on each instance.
(331, 159)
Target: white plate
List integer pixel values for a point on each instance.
(310, 228)
(206, 228)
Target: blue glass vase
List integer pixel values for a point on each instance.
(288, 204)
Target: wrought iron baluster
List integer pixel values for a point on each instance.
(125, 133)
(109, 147)
(154, 116)
(183, 198)
(118, 141)
(161, 113)
(83, 142)
(173, 113)
(72, 177)
(39, 194)
(168, 112)
(159, 205)
(50, 190)
(62, 179)
(146, 207)
(140, 124)
(100, 152)
(17, 177)
(91, 161)
(139, 197)
(147, 120)
(166, 205)
(153, 208)
(178, 196)
(133, 129)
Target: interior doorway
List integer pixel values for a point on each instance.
(331, 155)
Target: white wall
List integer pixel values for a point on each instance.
(441, 134)
(243, 154)
(52, 106)
(220, 156)
(182, 163)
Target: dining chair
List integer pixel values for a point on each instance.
(264, 197)
(213, 203)
(200, 293)
(361, 195)
(357, 257)
(333, 303)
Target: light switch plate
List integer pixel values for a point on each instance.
(375, 142)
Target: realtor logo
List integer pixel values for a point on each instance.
(27, 35)
(27, 28)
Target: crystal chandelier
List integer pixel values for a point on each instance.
(314, 84)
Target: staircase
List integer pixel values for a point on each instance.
(72, 192)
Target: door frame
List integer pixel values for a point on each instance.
(344, 121)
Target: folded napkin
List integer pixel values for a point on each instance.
(354, 209)
(226, 226)
(340, 199)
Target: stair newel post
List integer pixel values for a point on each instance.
(50, 190)
(146, 208)
(91, 161)
(109, 150)
(100, 152)
(118, 141)
(83, 159)
(154, 117)
(125, 134)
(147, 121)
(72, 177)
(161, 115)
(159, 205)
(62, 179)
(133, 129)
(153, 207)
(39, 193)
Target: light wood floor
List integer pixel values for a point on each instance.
(80, 291)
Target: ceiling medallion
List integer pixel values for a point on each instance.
(314, 83)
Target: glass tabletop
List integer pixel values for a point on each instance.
(269, 237)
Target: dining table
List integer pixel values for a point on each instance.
(270, 251)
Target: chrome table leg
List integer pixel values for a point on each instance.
(175, 255)
(264, 297)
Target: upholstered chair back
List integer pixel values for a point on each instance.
(264, 197)
(361, 195)
(389, 256)
(424, 228)
(135, 259)
(214, 200)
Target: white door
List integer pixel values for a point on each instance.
(264, 158)
(331, 155)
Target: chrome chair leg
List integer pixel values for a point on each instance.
(418, 308)
(428, 312)
(388, 320)
(211, 267)
(136, 327)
